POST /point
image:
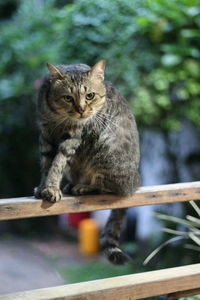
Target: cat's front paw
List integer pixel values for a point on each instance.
(51, 194)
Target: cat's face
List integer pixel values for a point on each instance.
(77, 94)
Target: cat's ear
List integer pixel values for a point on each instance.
(54, 72)
(97, 71)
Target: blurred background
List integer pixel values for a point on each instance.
(152, 50)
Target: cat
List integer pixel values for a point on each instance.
(88, 134)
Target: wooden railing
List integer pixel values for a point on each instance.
(174, 282)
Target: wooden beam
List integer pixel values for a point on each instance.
(26, 207)
(127, 287)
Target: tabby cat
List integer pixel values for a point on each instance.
(87, 134)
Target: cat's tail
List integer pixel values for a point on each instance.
(111, 236)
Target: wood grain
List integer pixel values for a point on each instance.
(26, 207)
(127, 287)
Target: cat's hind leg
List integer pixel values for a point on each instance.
(111, 236)
(84, 189)
(95, 186)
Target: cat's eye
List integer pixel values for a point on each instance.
(68, 98)
(90, 96)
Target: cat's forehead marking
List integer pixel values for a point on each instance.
(72, 77)
(58, 82)
(70, 89)
(82, 89)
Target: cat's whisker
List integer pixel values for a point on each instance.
(101, 122)
(58, 124)
(109, 120)
(98, 122)
(104, 121)
(107, 117)
(99, 125)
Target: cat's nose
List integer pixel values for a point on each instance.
(80, 109)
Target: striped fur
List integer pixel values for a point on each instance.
(88, 135)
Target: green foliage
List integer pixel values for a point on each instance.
(93, 271)
(152, 53)
(197, 297)
(152, 50)
(190, 231)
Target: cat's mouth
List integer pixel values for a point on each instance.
(81, 116)
(84, 116)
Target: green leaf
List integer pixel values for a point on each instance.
(170, 60)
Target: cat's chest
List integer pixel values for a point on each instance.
(92, 148)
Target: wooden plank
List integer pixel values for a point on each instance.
(26, 207)
(127, 287)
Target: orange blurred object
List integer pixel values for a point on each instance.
(88, 237)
